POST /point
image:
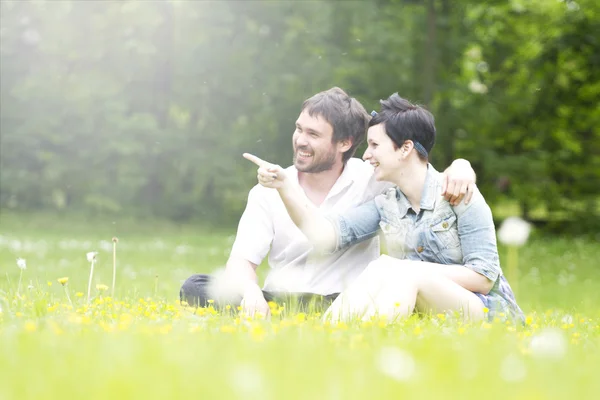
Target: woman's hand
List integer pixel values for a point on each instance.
(269, 175)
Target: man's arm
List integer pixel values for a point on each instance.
(241, 269)
(459, 182)
(243, 273)
(319, 231)
(252, 243)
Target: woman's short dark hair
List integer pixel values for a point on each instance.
(406, 121)
(345, 114)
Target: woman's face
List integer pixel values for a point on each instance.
(381, 153)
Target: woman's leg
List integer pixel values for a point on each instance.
(413, 290)
(396, 288)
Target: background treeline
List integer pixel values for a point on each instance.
(144, 107)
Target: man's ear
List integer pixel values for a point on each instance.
(344, 145)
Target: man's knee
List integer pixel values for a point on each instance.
(195, 290)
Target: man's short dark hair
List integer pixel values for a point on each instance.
(406, 121)
(345, 114)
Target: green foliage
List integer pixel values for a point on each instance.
(144, 108)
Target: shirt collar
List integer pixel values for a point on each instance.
(428, 195)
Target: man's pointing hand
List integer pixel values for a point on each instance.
(269, 175)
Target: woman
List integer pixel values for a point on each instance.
(442, 258)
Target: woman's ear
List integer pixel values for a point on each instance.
(407, 146)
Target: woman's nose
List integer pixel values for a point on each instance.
(367, 155)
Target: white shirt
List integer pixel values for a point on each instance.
(265, 225)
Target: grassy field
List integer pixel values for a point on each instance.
(143, 344)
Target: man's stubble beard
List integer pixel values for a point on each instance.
(320, 166)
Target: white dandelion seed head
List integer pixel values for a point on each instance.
(513, 369)
(549, 344)
(514, 231)
(247, 379)
(21, 263)
(396, 363)
(91, 256)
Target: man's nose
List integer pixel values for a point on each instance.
(301, 140)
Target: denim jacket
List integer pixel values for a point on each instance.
(439, 233)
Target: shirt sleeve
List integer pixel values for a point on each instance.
(255, 230)
(477, 236)
(356, 225)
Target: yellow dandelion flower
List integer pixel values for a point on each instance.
(101, 288)
(486, 310)
(211, 301)
(30, 326)
(63, 281)
(49, 283)
(300, 317)
(417, 330)
(228, 307)
(227, 329)
(79, 294)
(257, 333)
(529, 320)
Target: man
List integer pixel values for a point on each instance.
(330, 127)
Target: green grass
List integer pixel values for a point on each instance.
(142, 344)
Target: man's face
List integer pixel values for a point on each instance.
(314, 150)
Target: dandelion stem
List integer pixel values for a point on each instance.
(112, 293)
(67, 294)
(19, 285)
(90, 281)
(155, 286)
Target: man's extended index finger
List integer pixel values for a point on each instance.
(256, 160)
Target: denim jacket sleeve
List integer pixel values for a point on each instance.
(355, 225)
(477, 236)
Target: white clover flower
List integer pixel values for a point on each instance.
(514, 231)
(91, 256)
(21, 263)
